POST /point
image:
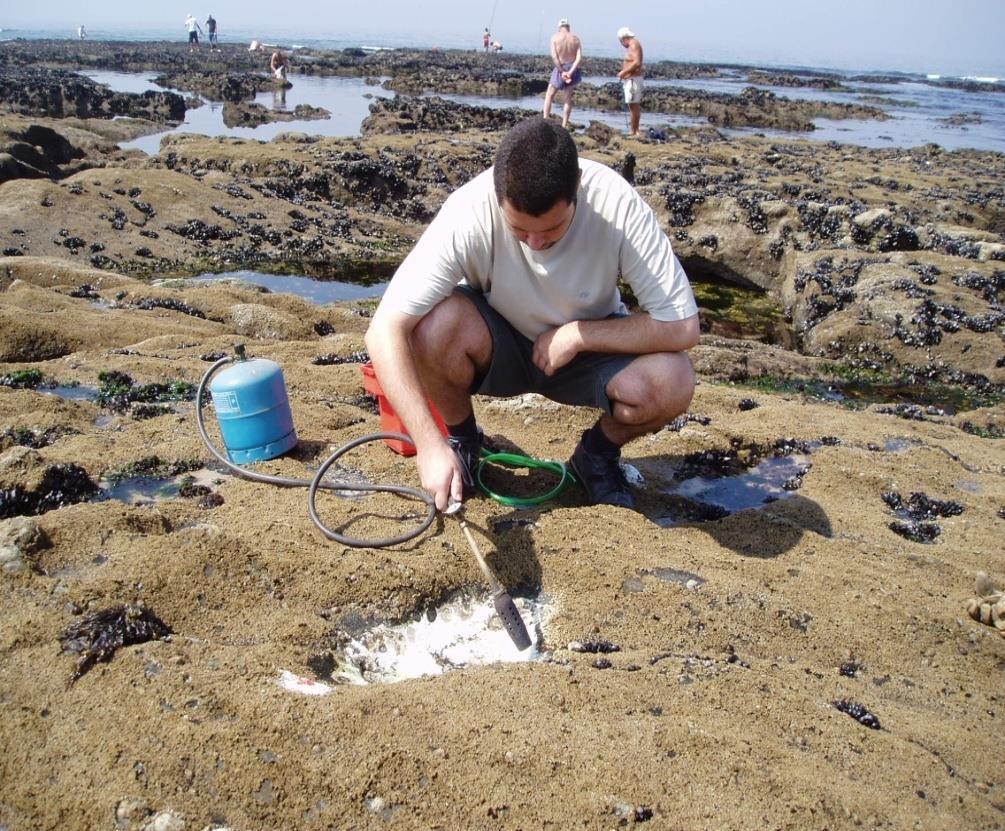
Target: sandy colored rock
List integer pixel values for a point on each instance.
(746, 639)
(743, 666)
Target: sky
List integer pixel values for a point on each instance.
(951, 37)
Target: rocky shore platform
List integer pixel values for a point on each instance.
(791, 632)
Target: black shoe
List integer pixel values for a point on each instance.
(469, 453)
(601, 477)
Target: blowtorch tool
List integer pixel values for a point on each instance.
(503, 603)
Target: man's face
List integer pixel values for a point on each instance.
(539, 233)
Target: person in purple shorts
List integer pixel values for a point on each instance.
(567, 55)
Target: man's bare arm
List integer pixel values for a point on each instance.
(579, 57)
(637, 334)
(388, 342)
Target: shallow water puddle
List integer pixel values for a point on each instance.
(770, 480)
(687, 579)
(465, 632)
(140, 489)
(144, 489)
(311, 289)
(70, 393)
(897, 445)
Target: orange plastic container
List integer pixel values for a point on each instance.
(389, 421)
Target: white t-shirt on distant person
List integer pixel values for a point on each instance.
(613, 233)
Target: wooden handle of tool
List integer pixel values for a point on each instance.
(493, 582)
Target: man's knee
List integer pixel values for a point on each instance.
(652, 387)
(453, 324)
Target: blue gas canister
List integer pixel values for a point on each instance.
(253, 410)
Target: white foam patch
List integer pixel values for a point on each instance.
(463, 633)
(302, 685)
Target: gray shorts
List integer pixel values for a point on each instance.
(582, 382)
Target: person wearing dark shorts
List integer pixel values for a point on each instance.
(513, 288)
(214, 43)
(511, 371)
(194, 29)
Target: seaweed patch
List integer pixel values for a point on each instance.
(98, 636)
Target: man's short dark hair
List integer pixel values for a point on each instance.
(536, 166)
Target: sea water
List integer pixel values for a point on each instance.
(916, 112)
(917, 109)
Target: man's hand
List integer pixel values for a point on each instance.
(556, 347)
(440, 474)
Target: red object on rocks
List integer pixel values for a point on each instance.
(389, 421)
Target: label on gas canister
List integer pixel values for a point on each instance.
(225, 402)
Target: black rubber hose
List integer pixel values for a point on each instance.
(313, 484)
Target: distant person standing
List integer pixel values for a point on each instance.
(486, 40)
(194, 30)
(81, 32)
(631, 76)
(211, 31)
(567, 55)
(280, 65)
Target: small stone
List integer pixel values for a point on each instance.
(633, 475)
(130, 809)
(19, 458)
(264, 794)
(622, 810)
(11, 560)
(20, 539)
(633, 585)
(164, 821)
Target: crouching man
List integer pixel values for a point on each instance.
(513, 288)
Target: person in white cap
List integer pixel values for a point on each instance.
(567, 55)
(631, 76)
(194, 30)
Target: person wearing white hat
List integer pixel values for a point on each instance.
(567, 55)
(194, 30)
(631, 76)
